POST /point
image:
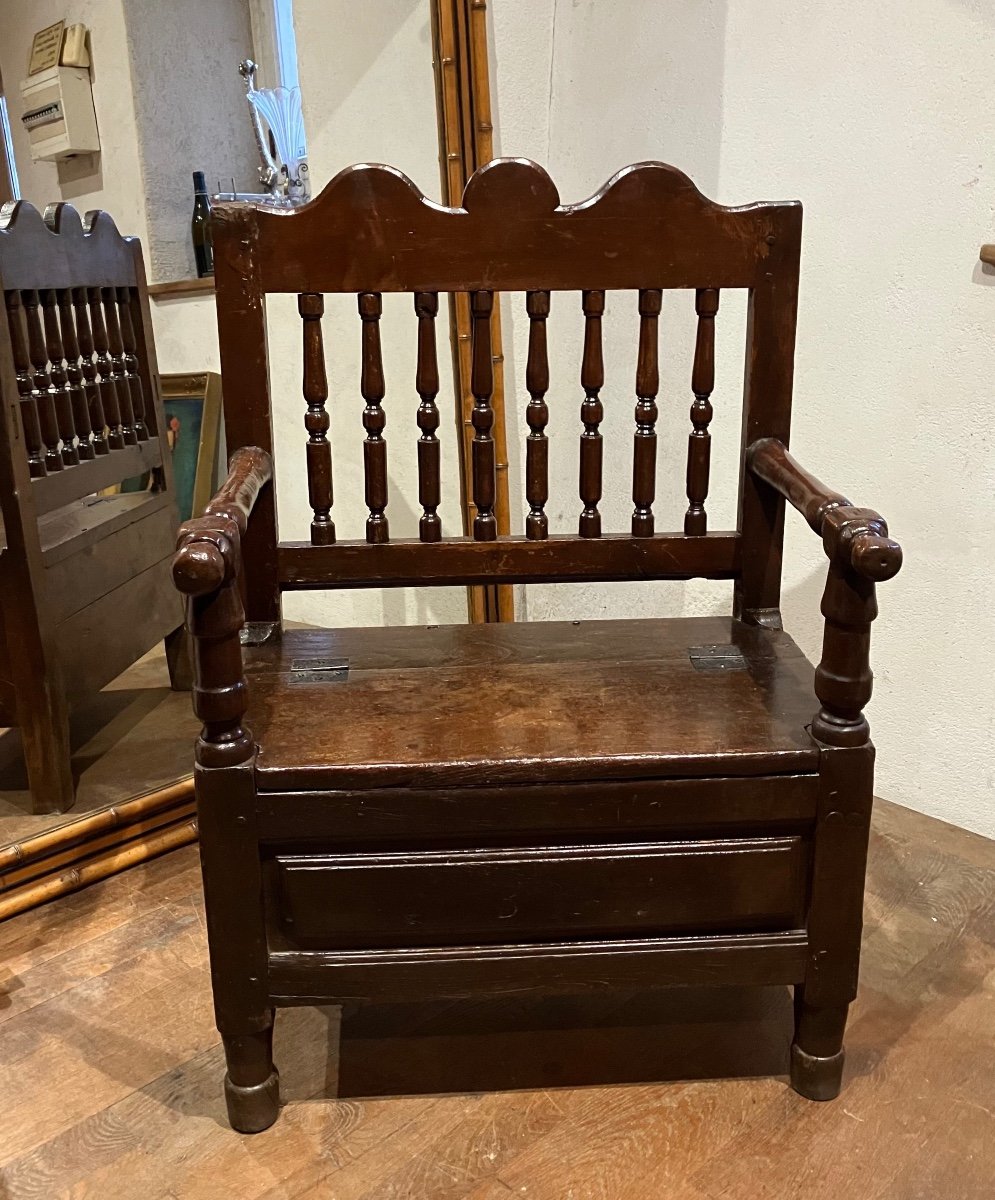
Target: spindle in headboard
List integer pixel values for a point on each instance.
(702, 383)
(647, 386)
(74, 377)
(592, 378)
(482, 386)
(311, 306)
(373, 390)
(427, 386)
(25, 390)
(537, 416)
(91, 385)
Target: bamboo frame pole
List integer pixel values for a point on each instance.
(72, 833)
(100, 867)
(459, 29)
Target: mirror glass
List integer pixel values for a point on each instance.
(170, 100)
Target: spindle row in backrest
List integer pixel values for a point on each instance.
(647, 231)
(592, 378)
(77, 374)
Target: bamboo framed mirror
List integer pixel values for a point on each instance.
(411, 88)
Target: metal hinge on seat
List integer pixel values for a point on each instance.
(717, 658)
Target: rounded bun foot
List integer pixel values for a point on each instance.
(253, 1109)
(816, 1078)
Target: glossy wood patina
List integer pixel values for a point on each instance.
(398, 813)
(84, 580)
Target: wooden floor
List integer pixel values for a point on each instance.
(111, 1068)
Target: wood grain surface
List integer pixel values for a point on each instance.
(111, 1062)
(574, 700)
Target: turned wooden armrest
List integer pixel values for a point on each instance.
(858, 535)
(207, 547)
(206, 568)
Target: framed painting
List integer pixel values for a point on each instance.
(192, 410)
(191, 405)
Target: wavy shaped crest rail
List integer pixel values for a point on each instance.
(372, 229)
(59, 248)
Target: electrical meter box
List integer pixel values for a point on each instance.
(58, 114)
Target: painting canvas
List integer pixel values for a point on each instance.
(184, 421)
(192, 412)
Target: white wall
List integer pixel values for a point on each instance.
(884, 127)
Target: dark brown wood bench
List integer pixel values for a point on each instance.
(446, 812)
(84, 578)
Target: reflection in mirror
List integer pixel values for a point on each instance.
(169, 101)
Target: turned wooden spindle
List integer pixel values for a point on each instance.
(374, 419)
(592, 378)
(482, 417)
(702, 383)
(44, 392)
(427, 386)
(25, 389)
(105, 371)
(311, 306)
(115, 346)
(74, 377)
(537, 416)
(59, 377)
(129, 358)
(91, 387)
(647, 386)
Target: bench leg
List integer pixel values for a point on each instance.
(45, 737)
(252, 1083)
(233, 896)
(834, 921)
(817, 1050)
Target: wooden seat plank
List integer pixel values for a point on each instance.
(551, 702)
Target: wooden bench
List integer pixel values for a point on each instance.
(406, 813)
(84, 579)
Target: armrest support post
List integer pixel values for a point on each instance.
(207, 569)
(843, 678)
(860, 554)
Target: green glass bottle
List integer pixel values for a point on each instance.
(200, 227)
